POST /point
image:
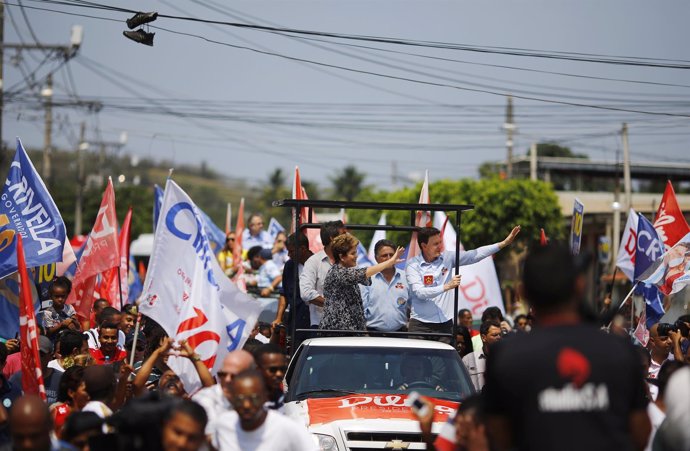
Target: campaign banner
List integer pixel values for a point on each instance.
(188, 294)
(669, 221)
(27, 209)
(32, 375)
(479, 288)
(215, 235)
(371, 406)
(101, 253)
(576, 226)
(671, 272)
(625, 261)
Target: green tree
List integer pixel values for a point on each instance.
(550, 149)
(348, 183)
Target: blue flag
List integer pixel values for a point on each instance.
(215, 235)
(157, 202)
(649, 246)
(28, 209)
(649, 249)
(134, 282)
(274, 228)
(9, 306)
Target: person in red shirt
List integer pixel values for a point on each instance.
(108, 352)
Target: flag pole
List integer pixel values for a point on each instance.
(119, 286)
(623, 302)
(134, 342)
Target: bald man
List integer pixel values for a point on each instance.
(660, 347)
(215, 399)
(31, 426)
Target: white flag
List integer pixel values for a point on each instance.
(442, 222)
(378, 236)
(187, 293)
(626, 249)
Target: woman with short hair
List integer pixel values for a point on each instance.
(343, 308)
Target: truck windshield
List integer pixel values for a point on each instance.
(325, 371)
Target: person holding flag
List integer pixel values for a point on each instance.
(431, 280)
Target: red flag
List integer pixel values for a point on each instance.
(314, 236)
(111, 278)
(669, 222)
(543, 240)
(101, 254)
(423, 218)
(32, 375)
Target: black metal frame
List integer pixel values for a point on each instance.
(298, 204)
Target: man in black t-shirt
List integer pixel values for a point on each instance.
(566, 385)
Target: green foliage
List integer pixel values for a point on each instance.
(549, 149)
(348, 183)
(498, 206)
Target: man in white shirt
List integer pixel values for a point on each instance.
(315, 269)
(431, 280)
(215, 399)
(107, 315)
(251, 427)
(475, 362)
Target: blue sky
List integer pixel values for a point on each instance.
(246, 113)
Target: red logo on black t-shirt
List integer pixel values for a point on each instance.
(573, 365)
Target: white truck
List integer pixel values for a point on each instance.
(351, 392)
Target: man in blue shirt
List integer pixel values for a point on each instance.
(385, 300)
(255, 235)
(431, 280)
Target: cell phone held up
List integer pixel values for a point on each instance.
(418, 407)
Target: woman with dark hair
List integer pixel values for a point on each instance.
(343, 308)
(72, 396)
(463, 341)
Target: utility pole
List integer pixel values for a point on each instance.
(509, 127)
(626, 168)
(81, 147)
(533, 162)
(47, 94)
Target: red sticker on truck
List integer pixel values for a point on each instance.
(371, 406)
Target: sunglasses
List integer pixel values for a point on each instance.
(255, 399)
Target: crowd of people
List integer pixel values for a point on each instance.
(546, 379)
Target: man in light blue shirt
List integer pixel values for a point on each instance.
(385, 300)
(431, 281)
(255, 235)
(269, 277)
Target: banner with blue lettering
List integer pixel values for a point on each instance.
(215, 235)
(649, 248)
(28, 209)
(188, 294)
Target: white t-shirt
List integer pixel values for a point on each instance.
(656, 417)
(278, 433)
(214, 402)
